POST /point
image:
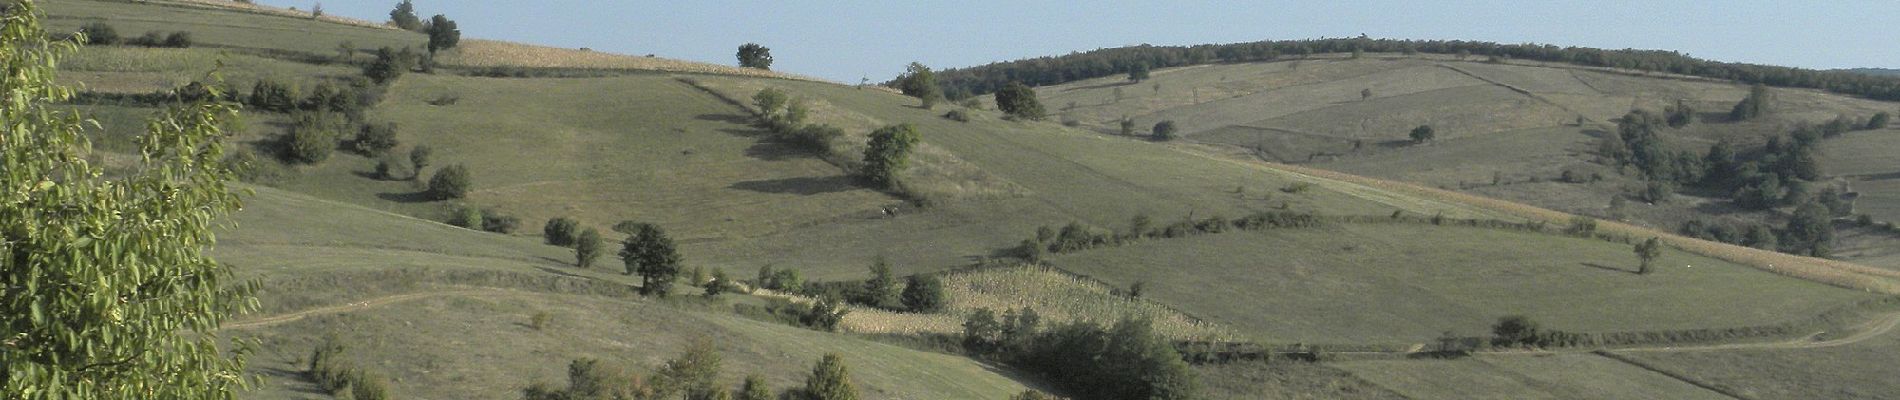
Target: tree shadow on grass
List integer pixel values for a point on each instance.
(774, 151)
(411, 197)
(1609, 268)
(726, 118)
(800, 186)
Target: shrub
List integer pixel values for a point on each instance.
(957, 115)
(495, 221)
(392, 168)
(816, 138)
(149, 39)
(1019, 101)
(313, 137)
(98, 33)
(451, 182)
(887, 154)
(1581, 226)
(719, 283)
(830, 380)
(1297, 187)
(272, 96)
(1878, 121)
(1515, 331)
(1164, 131)
(1422, 134)
(178, 40)
(540, 320)
(466, 217)
(824, 314)
(562, 231)
(587, 248)
(376, 139)
(419, 157)
(923, 294)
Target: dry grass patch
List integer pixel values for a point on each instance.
(494, 53)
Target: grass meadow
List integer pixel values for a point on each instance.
(1386, 283)
(1563, 376)
(1861, 370)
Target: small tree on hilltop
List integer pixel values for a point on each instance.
(753, 55)
(918, 81)
(442, 34)
(1423, 133)
(830, 380)
(1020, 101)
(451, 182)
(923, 294)
(404, 16)
(561, 231)
(652, 255)
(1164, 131)
(587, 248)
(1648, 251)
(888, 153)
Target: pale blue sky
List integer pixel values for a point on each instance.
(845, 40)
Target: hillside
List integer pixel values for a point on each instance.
(1410, 240)
(1507, 130)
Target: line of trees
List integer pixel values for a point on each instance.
(990, 78)
(1126, 360)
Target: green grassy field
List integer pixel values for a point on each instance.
(1396, 284)
(1288, 381)
(1865, 160)
(1861, 370)
(1568, 376)
(481, 346)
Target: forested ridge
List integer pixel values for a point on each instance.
(964, 82)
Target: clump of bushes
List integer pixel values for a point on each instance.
(822, 315)
(313, 137)
(375, 139)
(337, 376)
(1126, 360)
(957, 115)
(561, 231)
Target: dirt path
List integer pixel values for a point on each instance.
(357, 306)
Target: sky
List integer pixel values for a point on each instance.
(847, 40)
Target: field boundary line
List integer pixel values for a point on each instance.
(1671, 375)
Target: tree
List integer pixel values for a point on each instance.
(313, 137)
(720, 283)
(878, 290)
(652, 255)
(388, 66)
(1128, 126)
(1365, 94)
(888, 153)
(376, 139)
(561, 231)
(1422, 134)
(694, 373)
(1163, 131)
(1138, 72)
(1810, 232)
(1647, 252)
(451, 182)
(1019, 101)
(981, 331)
(111, 292)
(755, 388)
(752, 55)
(918, 81)
(419, 157)
(1679, 115)
(1515, 330)
(1755, 105)
(771, 102)
(404, 16)
(442, 34)
(587, 248)
(830, 380)
(923, 294)
(1878, 121)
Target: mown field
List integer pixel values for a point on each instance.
(1386, 283)
(216, 27)
(1862, 370)
(1566, 376)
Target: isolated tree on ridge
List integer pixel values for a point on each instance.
(753, 55)
(404, 16)
(918, 81)
(442, 34)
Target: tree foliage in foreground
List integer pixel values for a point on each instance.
(110, 290)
